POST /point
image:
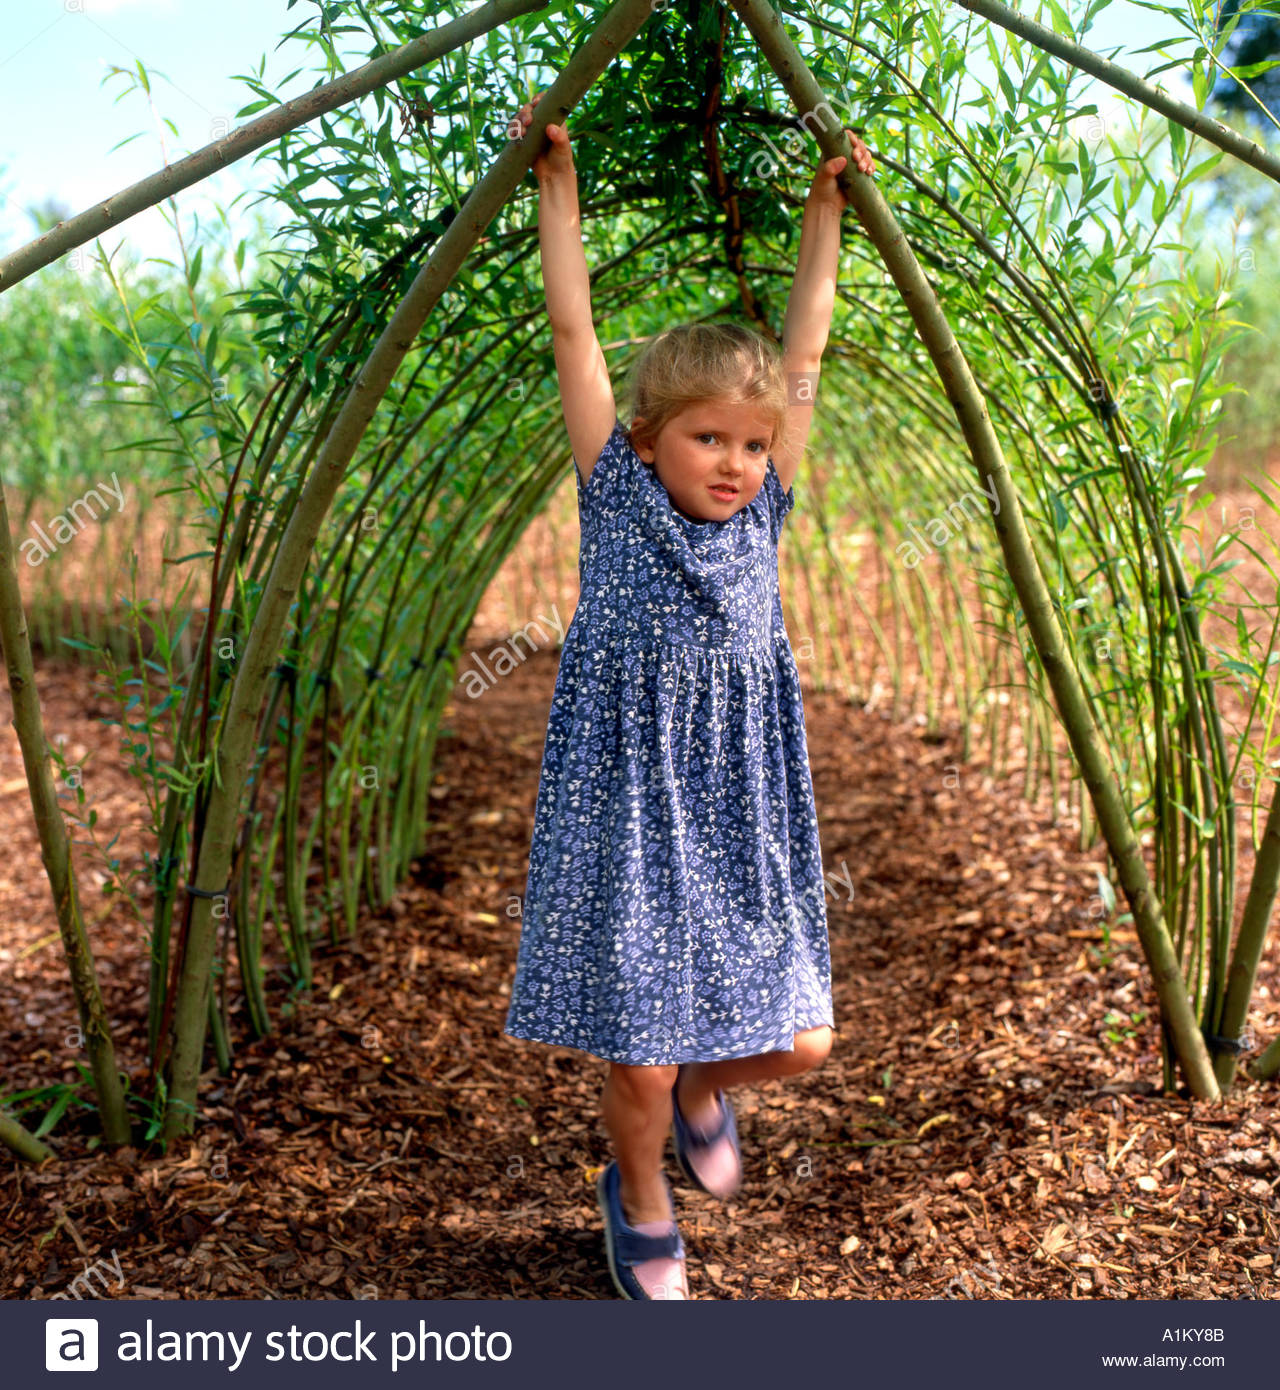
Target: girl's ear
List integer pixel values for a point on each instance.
(641, 441)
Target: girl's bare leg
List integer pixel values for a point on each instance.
(637, 1111)
(699, 1081)
(637, 1114)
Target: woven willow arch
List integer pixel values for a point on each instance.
(188, 1009)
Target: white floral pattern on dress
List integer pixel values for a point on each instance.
(675, 909)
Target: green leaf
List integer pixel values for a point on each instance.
(1253, 69)
(1061, 24)
(1211, 162)
(1205, 827)
(1084, 161)
(55, 1112)
(1177, 139)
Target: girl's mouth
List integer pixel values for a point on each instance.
(724, 492)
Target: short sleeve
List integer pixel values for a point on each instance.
(607, 489)
(779, 502)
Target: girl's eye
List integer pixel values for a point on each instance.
(758, 447)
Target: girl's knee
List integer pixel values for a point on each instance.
(810, 1048)
(640, 1082)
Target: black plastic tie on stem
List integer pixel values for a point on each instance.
(416, 663)
(373, 672)
(207, 892)
(1221, 1044)
(1103, 402)
(287, 669)
(322, 678)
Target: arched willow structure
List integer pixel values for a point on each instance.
(992, 341)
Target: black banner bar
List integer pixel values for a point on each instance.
(616, 1345)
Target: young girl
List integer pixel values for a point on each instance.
(674, 920)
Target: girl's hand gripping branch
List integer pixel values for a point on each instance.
(556, 158)
(826, 190)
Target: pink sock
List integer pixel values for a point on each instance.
(661, 1278)
(717, 1166)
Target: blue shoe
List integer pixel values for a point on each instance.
(626, 1246)
(690, 1145)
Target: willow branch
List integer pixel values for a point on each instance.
(1244, 149)
(1034, 598)
(55, 845)
(294, 553)
(21, 1141)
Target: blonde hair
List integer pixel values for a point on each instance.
(697, 362)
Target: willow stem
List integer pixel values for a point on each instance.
(1244, 149)
(21, 1141)
(235, 751)
(55, 846)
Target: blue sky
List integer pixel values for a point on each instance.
(60, 121)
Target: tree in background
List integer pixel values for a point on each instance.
(1239, 194)
(1254, 45)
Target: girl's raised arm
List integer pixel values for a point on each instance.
(810, 303)
(586, 394)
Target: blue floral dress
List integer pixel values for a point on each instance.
(675, 908)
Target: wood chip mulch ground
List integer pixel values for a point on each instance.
(988, 1124)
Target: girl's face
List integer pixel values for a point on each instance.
(711, 458)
